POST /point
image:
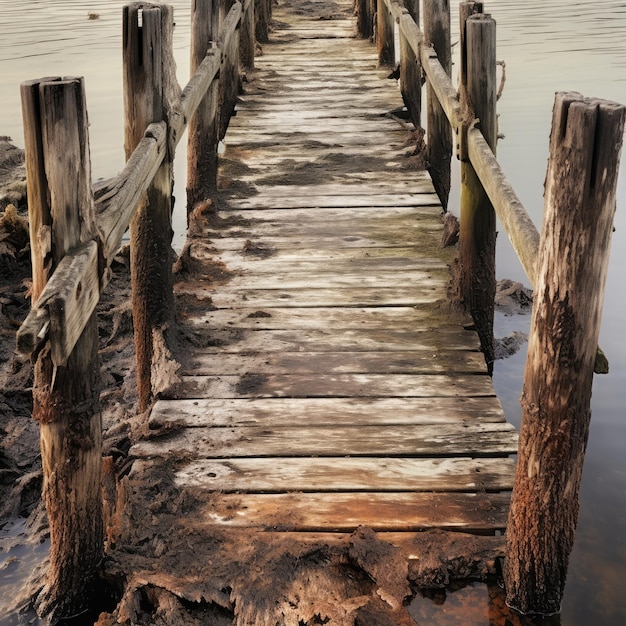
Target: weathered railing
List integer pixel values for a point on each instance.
(76, 230)
(566, 265)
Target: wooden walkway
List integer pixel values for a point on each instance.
(327, 383)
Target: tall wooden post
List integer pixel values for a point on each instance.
(263, 15)
(477, 238)
(365, 18)
(229, 74)
(585, 145)
(246, 39)
(148, 78)
(203, 127)
(411, 72)
(65, 394)
(385, 40)
(439, 137)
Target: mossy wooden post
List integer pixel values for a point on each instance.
(203, 125)
(385, 36)
(148, 72)
(410, 70)
(439, 134)
(65, 391)
(580, 193)
(477, 238)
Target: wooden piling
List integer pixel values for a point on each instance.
(203, 125)
(477, 239)
(365, 18)
(262, 18)
(230, 86)
(585, 144)
(246, 38)
(439, 133)
(411, 73)
(65, 390)
(148, 78)
(385, 35)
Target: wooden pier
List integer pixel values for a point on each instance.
(316, 435)
(328, 385)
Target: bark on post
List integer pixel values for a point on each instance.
(410, 75)
(246, 40)
(263, 15)
(203, 125)
(477, 238)
(439, 137)
(365, 18)
(386, 49)
(585, 145)
(65, 395)
(148, 81)
(229, 83)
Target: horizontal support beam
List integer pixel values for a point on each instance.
(66, 303)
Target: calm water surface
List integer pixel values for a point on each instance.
(548, 46)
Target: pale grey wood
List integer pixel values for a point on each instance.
(335, 385)
(273, 412)
(365, 318)
(279, 475)
(416, 362)
(334, 441)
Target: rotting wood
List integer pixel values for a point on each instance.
(149, 85)
(474, 440)
(477, 236)
(581, 181)
(439, 135)
(275, 475)
(66, 390)
(204, 123)
(174, 414)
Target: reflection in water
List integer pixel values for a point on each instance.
(474, 604)
(548, 45)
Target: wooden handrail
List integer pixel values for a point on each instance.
(117, 198)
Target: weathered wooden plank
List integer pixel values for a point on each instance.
(418, 362)
(311, 258)
(425, 278)
(331, 441)
(333, 385)
(417, 184)
(312, 201)
(354, 297)
(238, 340)
(383, 512)
(278, 475)
(364, 318)
(273, 412)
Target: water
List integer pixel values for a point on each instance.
(548, 46)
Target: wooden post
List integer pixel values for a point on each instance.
(466, 10)
(386, 48)
(585, 145)
(203, 125)
(365, 18)
(246, 39)
(148, 76)
(228, 43)
(65, 394)
(263, 15)
(477, 238)
(439, 137)
(411, 74)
